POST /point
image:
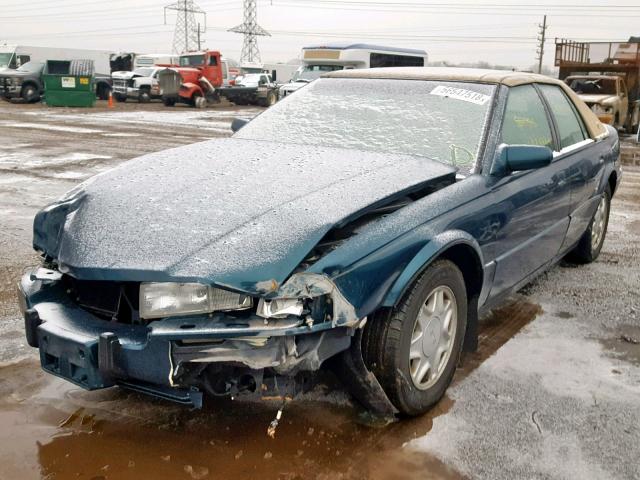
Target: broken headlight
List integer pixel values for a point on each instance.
(279, 307)
(158, 300)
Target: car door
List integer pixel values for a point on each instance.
(536, 202)
(584, 159)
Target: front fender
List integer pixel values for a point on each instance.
(188, 89)
(380, 278)
(432, 250)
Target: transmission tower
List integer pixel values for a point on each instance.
(251, 30)
(186, 36)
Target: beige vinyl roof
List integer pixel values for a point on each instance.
(502, 77)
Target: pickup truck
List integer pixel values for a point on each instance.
(608, 97)
(26, 83)
(252, 89)
(141, 84)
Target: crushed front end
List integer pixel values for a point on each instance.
(178, 340)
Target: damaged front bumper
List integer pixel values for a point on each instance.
(159, 357)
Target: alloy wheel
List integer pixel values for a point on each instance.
(433, 337)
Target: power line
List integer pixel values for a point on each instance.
(435, 9)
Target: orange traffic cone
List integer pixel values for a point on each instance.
(110, 100)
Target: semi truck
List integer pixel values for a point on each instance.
(21, 69)
(606, 76)
(194, 80)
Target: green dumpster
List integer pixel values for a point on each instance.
(69, 83)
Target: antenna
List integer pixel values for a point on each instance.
(251, 30)
(187, 33)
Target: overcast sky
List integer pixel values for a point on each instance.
(497, 31)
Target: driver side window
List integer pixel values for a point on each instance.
(525, 120)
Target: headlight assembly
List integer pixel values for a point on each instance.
(158, 300)
(279, 307)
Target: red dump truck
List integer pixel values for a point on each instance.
(606, 76)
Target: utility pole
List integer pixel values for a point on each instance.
(251, 30)
(187, 32)
(541, 37)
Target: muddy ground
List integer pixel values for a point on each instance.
(553, 392)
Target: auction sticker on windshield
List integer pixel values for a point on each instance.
(461, 94)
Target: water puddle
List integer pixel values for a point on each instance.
(624, 344)
(53, 430)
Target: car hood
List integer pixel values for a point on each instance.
(9, 72)
(124, 75)
(597, 98)
(231, 212)
(294, 85)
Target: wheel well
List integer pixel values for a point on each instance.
(467, 260)
(31, 84)
(613, 181)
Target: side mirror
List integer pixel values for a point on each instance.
(515, 158)
(238, 123)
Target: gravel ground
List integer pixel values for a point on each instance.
(553, 392)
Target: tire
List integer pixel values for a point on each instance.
(198, 101)
(590, 244)
(144, 96)
(119, 97)
(388, 338)
(270, 100)
(168, 101)
(103, 92)
(29, 93)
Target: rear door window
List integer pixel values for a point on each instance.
(525, 119)
(571, 129)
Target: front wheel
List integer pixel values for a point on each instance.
(590, 244)
(30, 94)
(144, 96)
(198, 101)
(414, 349)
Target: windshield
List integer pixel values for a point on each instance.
(31, 67)
(192, 60)
(594, 86)
(312, 72)
(5, 59)
(440, 120)
(144, 72)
